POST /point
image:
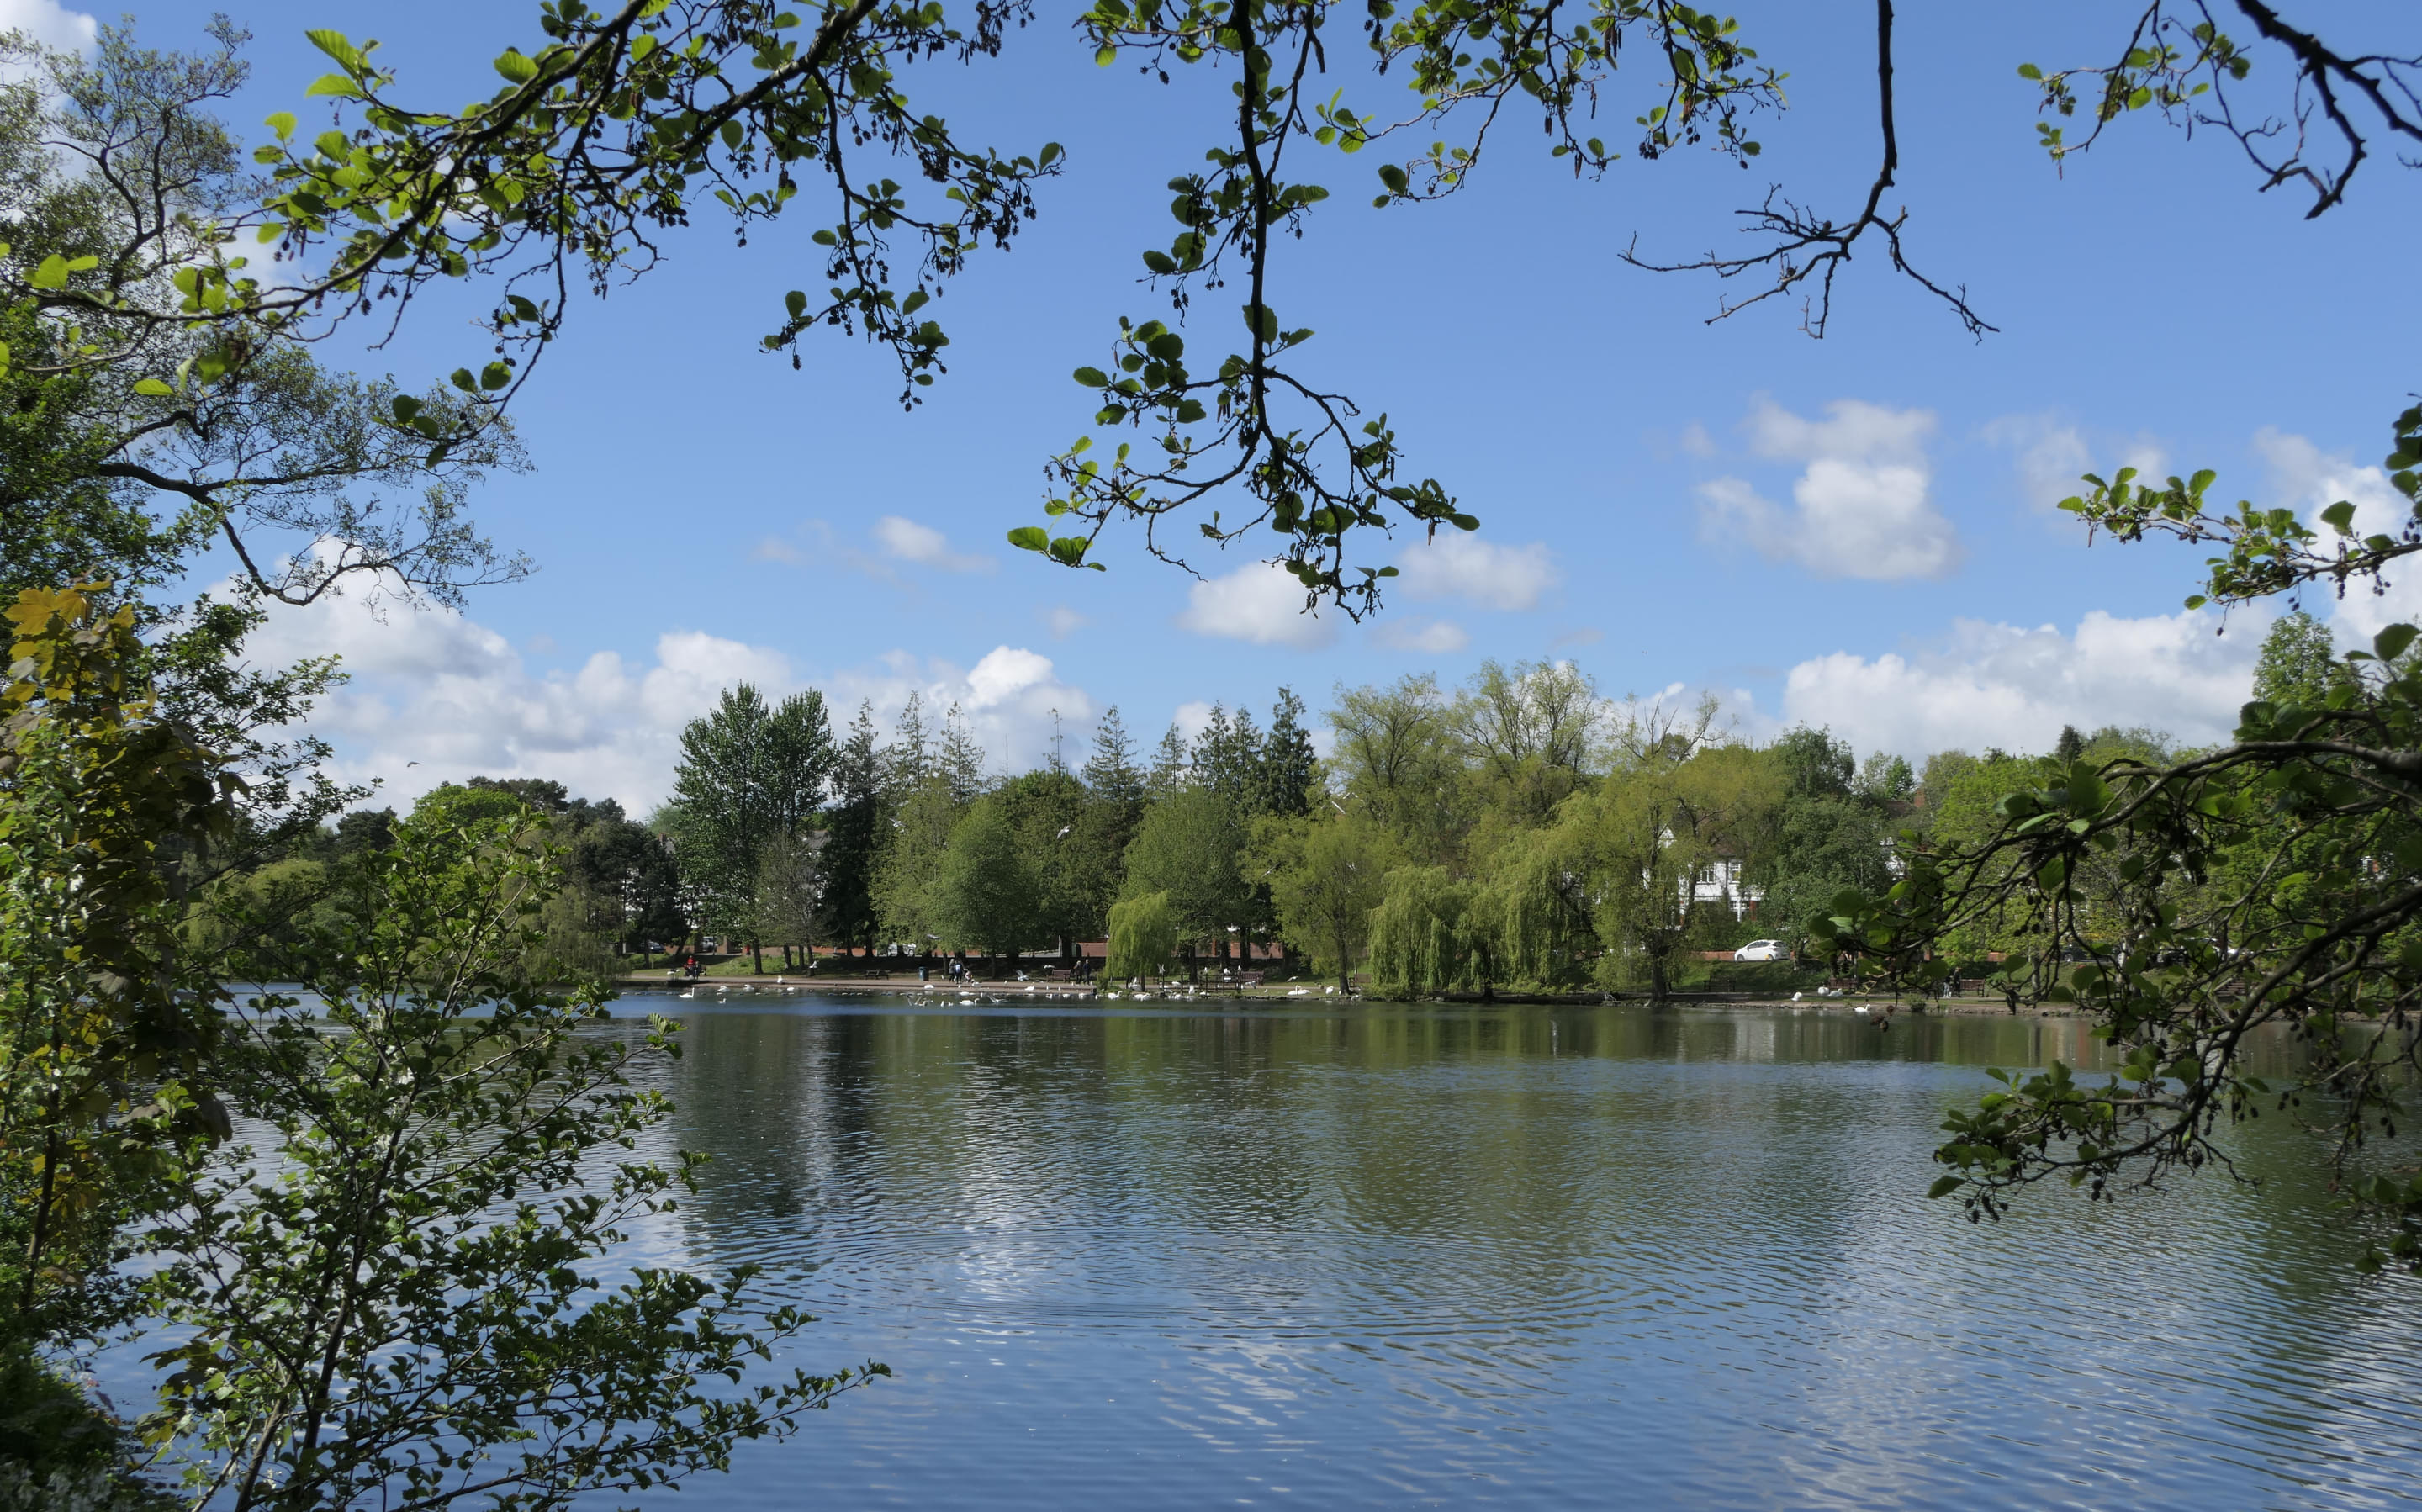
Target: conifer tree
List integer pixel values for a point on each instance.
(1288, 763)
(1170, 769)
(906, 758)
(855, 828)
(1111, 773)
(960, 759)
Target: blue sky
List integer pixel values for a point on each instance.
(1854, 531)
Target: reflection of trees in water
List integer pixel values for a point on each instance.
(1505, 1158)
(760, 1093)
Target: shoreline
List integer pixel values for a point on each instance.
(999, 993)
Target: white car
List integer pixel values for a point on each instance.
(1762, 950)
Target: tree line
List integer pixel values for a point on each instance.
(1521, 831)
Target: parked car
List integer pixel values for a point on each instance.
(1762, 950)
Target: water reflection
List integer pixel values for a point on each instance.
(1533, 1258)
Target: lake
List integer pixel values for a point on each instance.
(1515, 1257)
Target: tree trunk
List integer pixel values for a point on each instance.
(757, 953)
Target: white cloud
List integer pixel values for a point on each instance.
(2307, 480)
(1998, 685)
(1260, 602)
(49, 23)
(436, 698)
(1863, 500)
(2053, 457)
(1009, 699)
(1433, 637)
(898, 540)
(1064, 622)
(1191, 719)
(922, 546)
(1853, 431)
(1696, 441)
(1453, 564)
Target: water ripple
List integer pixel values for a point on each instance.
(1505, 1257)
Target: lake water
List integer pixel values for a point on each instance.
(1522, 1258)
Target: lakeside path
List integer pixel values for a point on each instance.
(773, 986)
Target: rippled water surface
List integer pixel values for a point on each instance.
(1515, 1257)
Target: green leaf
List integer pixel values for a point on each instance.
(1030, 538)
(152, 388)
(340, 85)
(1943, 1186)
(334, 44)
(2340, 516)
(282, 123)
(1160, 263)
(494, 375)
(2028, 71)
(796, 302)
(1092, 377)
(516, 68)
(2390, 643)
(1107, 56)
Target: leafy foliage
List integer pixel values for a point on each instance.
(2189, 903)
(390, 1301)
(107, 1024)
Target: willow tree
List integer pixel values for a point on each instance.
(1144, 937)
(1421, 943)
(1530, 918)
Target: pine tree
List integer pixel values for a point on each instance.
(1288, 763)
(1169, 767)
(1228, 759)
(1115, 792)
(960, 759)
(858, 822)
(1110, 772)
(910, 753)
